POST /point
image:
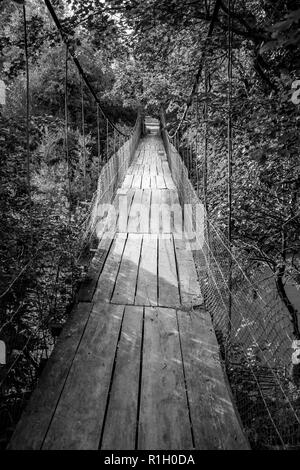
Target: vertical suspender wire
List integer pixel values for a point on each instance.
(83, 139)
(98, 141)
(205, 171)
(107, 140)
(197, 143)
(205, 141)
(116, 175)
(229, 170)
(28, 166)
(68, 160)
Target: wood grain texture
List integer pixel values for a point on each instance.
(89, 283)
(134, 217)
(121, 420)
(160, 181)
(164, 421)
(155, 211)
(168, 291)
(32, 428)
(145, 212)
(125, 286)
(127, 181)
(146, 293)
(108, 276)
(214, 419)
(188, 279)
(78, 418)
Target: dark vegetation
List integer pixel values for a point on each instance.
(138, 53)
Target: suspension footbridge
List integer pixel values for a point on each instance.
(169, 343)
(138, 364)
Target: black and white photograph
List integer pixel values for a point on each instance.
(149, 228)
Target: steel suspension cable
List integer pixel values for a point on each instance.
(229, 162)
(66, 140)
(78, 65)
(83, 138)
(67, 154)
(200, 68)
(28, 166)
(98, 141)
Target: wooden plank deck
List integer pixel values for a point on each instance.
(137, 365)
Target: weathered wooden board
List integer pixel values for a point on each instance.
(134, 217)
(146, 292)
(214, 419)
(176, 215)
(121, 419)
(146, 182)
(165, 212)
(160, 182)
(188, 280)
(168, 292)
(153, 170)
(32, 428)
(164, 417)
(144, 226)
(127, 181)
(137, 180)
(108, 276)
(155, 211)
(78, 418)
(89, 284)
(169, 182)
(125, 286)
(153, 182)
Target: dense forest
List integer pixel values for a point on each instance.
(137, 55)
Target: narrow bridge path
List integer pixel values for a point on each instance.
(137, 365)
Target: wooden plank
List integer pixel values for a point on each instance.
(78, 419)
(146, 166)
(136, 183)
(167, 274)
(155, 211)
(176, 215)
(134, 218)
(124, 204)
(145, 212)
(160, 181)
(89, 283)
(166, 169)
(159, 166)
(127, 181)
(169, 182)
(153, 182)
(124, 291)
(214, 419)
(107, 278)
(146, 292)
(33, 425)
(188, 280)
(146, 182)
(123, 191)
(165, 212)
(164, 418)
(153, 171)
(121, 420)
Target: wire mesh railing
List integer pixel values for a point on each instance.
(251, 323)
(81, 166)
